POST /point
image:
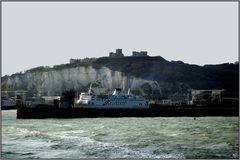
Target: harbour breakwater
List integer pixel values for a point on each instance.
(183, 111)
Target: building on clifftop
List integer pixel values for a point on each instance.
(117, 54)
(139, 54)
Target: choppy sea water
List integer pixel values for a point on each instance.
(174, 137)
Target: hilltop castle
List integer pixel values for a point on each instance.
(134, 53)
(117, 54)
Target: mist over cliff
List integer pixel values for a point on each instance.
(152, 77)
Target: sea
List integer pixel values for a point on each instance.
(160, 137)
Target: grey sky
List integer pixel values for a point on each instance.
(45, 34)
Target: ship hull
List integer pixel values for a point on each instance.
(110, 106)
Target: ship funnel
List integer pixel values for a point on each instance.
(128, 91)
(90, 89)
(117, 91)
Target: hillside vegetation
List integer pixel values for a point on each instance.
(153, 76)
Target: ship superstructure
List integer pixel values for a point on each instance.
(117, 99)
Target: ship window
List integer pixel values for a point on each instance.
(140, 104)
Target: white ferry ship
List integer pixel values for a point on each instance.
(117, 99)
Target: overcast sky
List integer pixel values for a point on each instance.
(49, 33)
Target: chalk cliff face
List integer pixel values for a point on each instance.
(78, 78)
